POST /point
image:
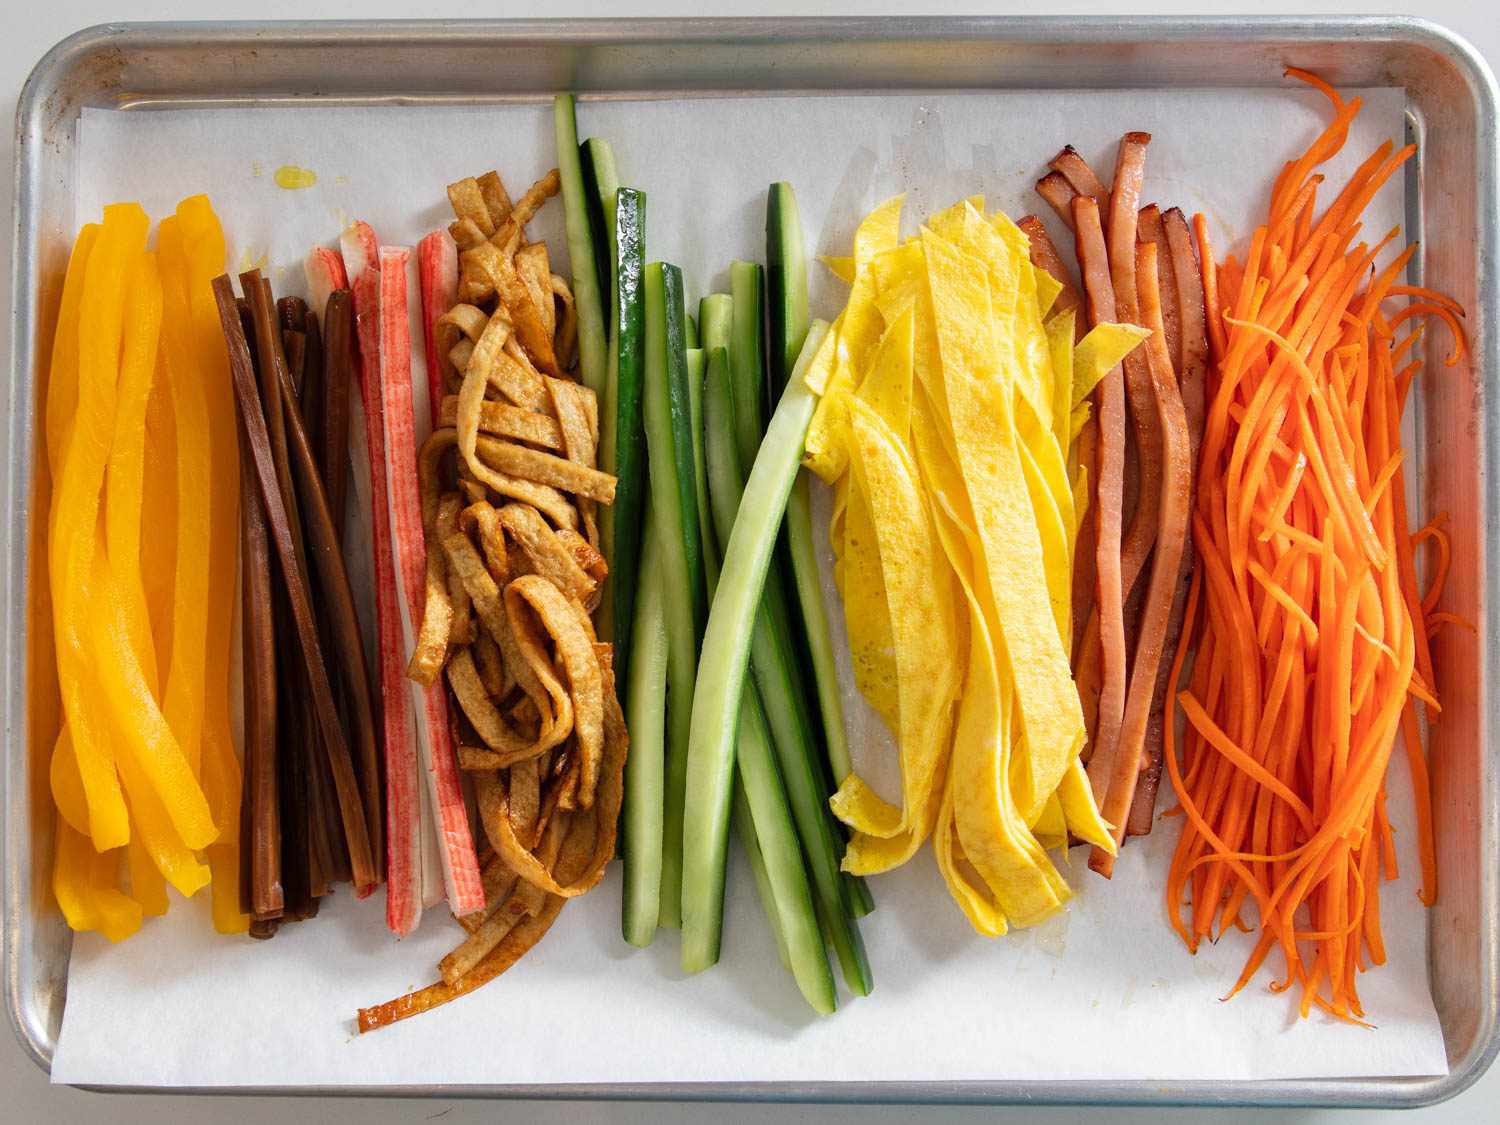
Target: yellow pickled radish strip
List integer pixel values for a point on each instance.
(62, 378)
(185, 689)
(74, 540)
(116, 914)
(124, 480)
(1050, 714)
(177, 862)
(919, 604)
(72, 859)
(159, 512)
(141, 732)
(147, 886)
(203, 238)
(67, 784)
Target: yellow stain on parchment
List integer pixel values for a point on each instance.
(290, 177)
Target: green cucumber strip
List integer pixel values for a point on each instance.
(721, 673)
(715, 313)
(761, 812)
(622, 438)
(600, 182)
(592, 344)
(740, 819)
(695, 369)
(747, 356)
(690, 333)
(645, 766)
(773, 664)
(668, 423)
(787, 320)
(786, 285)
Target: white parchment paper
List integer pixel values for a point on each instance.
(1104, 991)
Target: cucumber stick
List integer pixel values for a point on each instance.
(787, 320)
(690, 333)
(622, 441)
(786, 285)
(597, 162)
(674, 505)
(747, 356)
(592, 343)
(715, 312)
(721, 673)
(695, 368)
(773, 663)
(762, 815)
(645, 766)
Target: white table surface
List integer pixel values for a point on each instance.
(25, 1094)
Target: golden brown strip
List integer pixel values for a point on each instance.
(535, 273)
(511, 949)
(486, 655)
(1059, 194)
(1172, 507)
(565, 338)
(574, 646)
(1109, 408)
(1193, 372)
(482, 713)
(507, 421)
(526, 208)
(468, 204)
(547, 552)
(496, 198)
(545, 469)
(499, 270)
(1044, 256)
(548, 500)
(1075, 169)
(1149, 228)
(1130, 170)
(436, 629)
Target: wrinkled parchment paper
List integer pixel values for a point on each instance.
(1103, 992)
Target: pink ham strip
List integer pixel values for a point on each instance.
(437, 264)
(398, 304)
(403, 801)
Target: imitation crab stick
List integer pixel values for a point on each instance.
(1312, 654)
(403, 806)
(437, 265)
(401, 422)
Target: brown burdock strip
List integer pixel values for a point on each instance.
(1172, 531)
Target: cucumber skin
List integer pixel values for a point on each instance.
(623, 441)
(786, 285)
(597, 162)
(680, 401)
(592, 342)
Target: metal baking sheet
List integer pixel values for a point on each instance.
(1451, 101)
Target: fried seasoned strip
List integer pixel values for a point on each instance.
(496, 198)
(551, 834)
(1172, 507)
(544, 469)
(565, 338)
(1059, 195)
(548, 500)
(494, 814)
(485, 935)
(535, 271)
(548, 553)
(1044, 256)
(437, 609)
(507, 421)
(469, 204)
(506, 747)
(499, 270)
(526, 208)
(1130, 169)
(575, 652)
(511, 949)
(1109, 409)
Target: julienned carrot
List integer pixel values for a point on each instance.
(1313, 630)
